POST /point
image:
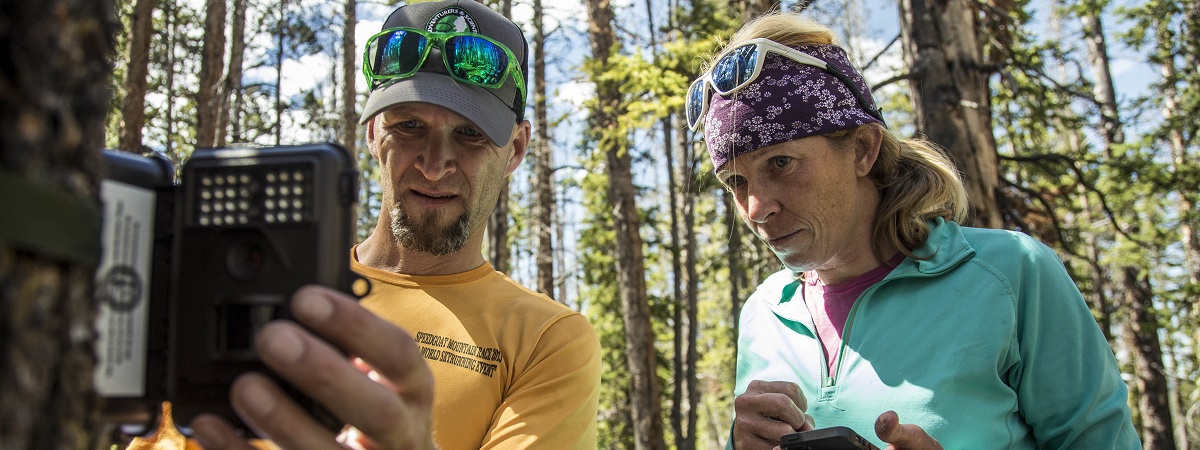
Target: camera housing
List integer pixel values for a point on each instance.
(243, 230)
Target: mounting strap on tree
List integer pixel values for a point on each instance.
(48, 221)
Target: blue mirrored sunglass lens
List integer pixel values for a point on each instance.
(748, 60)
(735, 68)
(724, 74)
(476, 60)
(401, 53)
(695, 102)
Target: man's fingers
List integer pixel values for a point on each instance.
(387, 383)
(271, 413)
(339, 319)
(903, 436)
(215, 434)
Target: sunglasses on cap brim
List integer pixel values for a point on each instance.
(397, 53)
(740, 66)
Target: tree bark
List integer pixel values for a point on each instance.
(640, 353)
(133, 108)
(53, 102)
(499, 252)
(679, 324)
(1157, 431)
(951, 97)
(231, 118)
(737, 274)
(170, 34)
(281, 31)
(691, 284)
(209, 101)
(349, 80)
(543, 161)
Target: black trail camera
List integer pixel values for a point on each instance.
(192, 270)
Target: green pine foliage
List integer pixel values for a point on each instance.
(1102, 208)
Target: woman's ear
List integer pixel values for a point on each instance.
(867, 142)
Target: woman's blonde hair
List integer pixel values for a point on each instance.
(917, 180)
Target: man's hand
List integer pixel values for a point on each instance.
(903, 436)
(767, 411)
(390, 408)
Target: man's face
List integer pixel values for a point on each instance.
(440, 175)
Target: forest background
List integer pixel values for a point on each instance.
(1071, 121)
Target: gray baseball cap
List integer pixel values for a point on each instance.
(493, 110)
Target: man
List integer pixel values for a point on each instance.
(509, 368)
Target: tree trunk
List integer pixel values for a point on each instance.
(497, 229)
(543, 161)
(679, 325)
(640, 352)
(349, 80)
(231, 118)
(691, 283)
(560, 256)
(499, 252)
(52, 115)
(1157, 432)
(951, 97)
(281, 30)
(1153, 403)
(209, 101)
(1105, 92)
(737, 274)
(1185, 206)
(133, 108)
(171, 32)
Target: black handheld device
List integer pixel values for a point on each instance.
(832, 438)
(192, 270)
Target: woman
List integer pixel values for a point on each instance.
(886, 308)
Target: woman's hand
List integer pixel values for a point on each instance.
(903, 436)
(767, 411)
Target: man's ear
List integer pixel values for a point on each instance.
(867, 142)
(520, 146)
(371, 138)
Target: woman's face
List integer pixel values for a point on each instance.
(809, 200)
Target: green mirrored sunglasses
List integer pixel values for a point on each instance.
(471, 58)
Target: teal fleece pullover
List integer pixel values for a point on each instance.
(987, 344)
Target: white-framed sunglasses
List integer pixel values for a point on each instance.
(743, 64)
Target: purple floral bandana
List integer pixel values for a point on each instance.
(789, 100)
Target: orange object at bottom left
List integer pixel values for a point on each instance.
(168, 437)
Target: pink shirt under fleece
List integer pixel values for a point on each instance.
(830, 304)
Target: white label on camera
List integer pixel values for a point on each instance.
(123, 289)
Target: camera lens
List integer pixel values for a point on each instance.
(245, 260)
